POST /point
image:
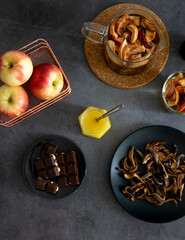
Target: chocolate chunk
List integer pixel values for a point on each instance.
(60, 158)
(74, 180)
(41, 184)
(52, 187)
(53, 172)
(62, 181)
(49, 161)
(72, 169)
(62, 171)
(50, 149)
(42, 173)
(71, 157)
(38, 164)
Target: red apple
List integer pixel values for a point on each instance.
(46, 81)
(13, 100)
(15, 67)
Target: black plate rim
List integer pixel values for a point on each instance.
(32, 146)
(111, 163)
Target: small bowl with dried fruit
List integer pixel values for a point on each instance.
(173, 92)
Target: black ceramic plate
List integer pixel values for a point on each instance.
(141, 208)
(36, 149)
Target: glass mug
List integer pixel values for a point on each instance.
(100, 34)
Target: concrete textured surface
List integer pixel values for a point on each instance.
(92, 212)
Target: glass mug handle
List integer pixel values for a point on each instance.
(94, 31)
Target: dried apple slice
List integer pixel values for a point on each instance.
(112, 45)
(119, 40)
(170, 88)
(181, 82)
(122, 24)
(142, 39)
(137, 21)
(112, 28)
(181, 106)
(134, 30)
(179, 77)
(134, 57)
(132, 49)
(145, 57)
(126, 34)
(138, 41)
(146, 24)
(150, 35)
(181, 89)
(174, 99)
(116, 49)
(111, 48)
(121, 47)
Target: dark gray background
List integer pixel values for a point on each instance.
(92, 212)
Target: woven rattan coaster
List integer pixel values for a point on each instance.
(97, 63)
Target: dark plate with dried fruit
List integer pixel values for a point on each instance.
(37, 149)
(140, 208)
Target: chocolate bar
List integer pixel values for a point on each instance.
(69, 175)
(49, 161)
(53, 172)
(50, 149)
(60, 167)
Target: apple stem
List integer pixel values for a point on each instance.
(10, 100)
(8, 66)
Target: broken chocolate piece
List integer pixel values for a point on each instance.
(53, 172)
(52, 187)
(62, 181)
(72, 169)
(42, 173)
(74, 180)
(63, 171)
(50, 149)
(70, 157)
(39, 164)
(60, 158)
(49, 161)
(41, 184)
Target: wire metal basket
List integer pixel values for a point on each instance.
(39, 52)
